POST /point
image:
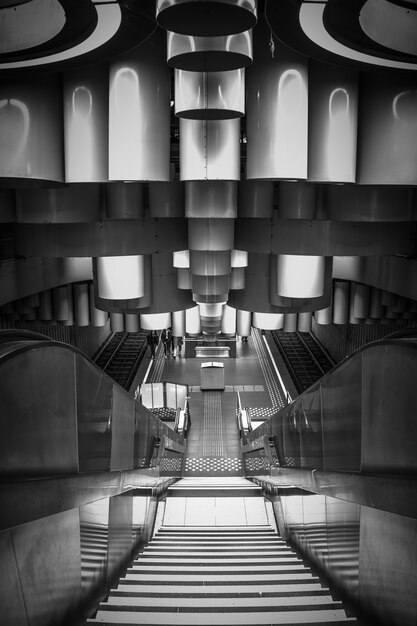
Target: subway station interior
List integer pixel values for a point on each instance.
(208, 312)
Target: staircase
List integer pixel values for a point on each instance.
(219, 575)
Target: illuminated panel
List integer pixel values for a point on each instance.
(120, 277)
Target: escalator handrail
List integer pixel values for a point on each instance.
(406, 341)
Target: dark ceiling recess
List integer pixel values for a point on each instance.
(341, 21)
(137, 24)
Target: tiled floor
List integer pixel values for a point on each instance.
(213, 442)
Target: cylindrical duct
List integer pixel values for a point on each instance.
(166, 199)
(207, 263)
(367, 203)
(290, 323)
(155, 321)
(209, 149)
(361, 295)
(117, 322)
(125, 200)
(210, 285)
(300, 276)
(333, 122)
(352, 318)
(211, 199)
(277, 110)
(181, 259)
(183, 278)
(376, 310)
(86, 124)
(178, 323)
(98, 317)
(60, 302)
(70, 320)
(388, 102)
(45, 312)
(388, 299)
(210, 95)
(81, 304)
(7, 206)
(239, 258)
(210, 299)
(192, 321)
(304, 322)
(206, 18)
(324, 316)
(211, 310)
(228, 326)
(209, 54)
(340, 302)
(237, 278)
(267, 321)
(131, 323)
(31, 146)
(121, 277)
(256, 198)
(211, 234)
(75, 203)
(297, 200)
(139, 115)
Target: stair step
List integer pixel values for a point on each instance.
(225, 578)
(280, 588)
(213, 618)
(224, 561)
(269, 604)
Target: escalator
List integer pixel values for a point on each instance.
(303, 356)
(120, 357)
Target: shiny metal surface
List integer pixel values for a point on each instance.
(49, 563)
(210, 95)
(211, 198)
(72, 204)
(11, 595)
(207, 263)
(209, 54)
(333, 122)
(389, 390)
(166, 199)
(210, 150)
(256, 198)
(387, 566)
(124, 200)
(387, 157)
(139, 115)
(106, 238)
(85, 94)
(38, 413)
(122, 430)
(297, 200)
(276, 111)
(31, 150)
(369, 203)
(211, 234)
